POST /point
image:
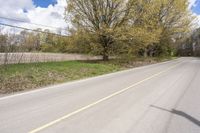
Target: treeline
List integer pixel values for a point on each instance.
(130, 27)
(124, 28)
(45, 41)
(190, 45)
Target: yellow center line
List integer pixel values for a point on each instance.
(99, 101)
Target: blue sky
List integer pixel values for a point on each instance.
(196, 8)
(44, 3)
(51, 12)
(42, 12)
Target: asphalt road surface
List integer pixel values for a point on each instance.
(159, 98)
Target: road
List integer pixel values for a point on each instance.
(159, 98)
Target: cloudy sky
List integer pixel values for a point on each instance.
(49, 12)
(44, 12)
(195, 8)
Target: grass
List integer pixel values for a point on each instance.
(19, 77)
(125, 63)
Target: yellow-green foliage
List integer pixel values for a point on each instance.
(129, 25)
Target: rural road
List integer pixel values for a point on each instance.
(159, 98)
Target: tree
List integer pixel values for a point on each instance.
(3, 41)
(29, 41)
(127, 26)
(101, 18)
(155, 24)
(175, 19)
(143, 28)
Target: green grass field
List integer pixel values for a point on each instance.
(19, 77)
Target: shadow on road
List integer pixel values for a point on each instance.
(180, 113)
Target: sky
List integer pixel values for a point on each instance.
(196, 7)
(51, 12)
(44, 12)
(44, 3)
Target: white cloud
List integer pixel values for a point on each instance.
(25, 10)
(14, 9)
(197, 20)
(192, 3)
(51, 16)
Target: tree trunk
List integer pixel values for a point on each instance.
(145, 52)
(105, 57)
(151, 53)
(105, 53)
(105, 43)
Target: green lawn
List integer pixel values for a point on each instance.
(19, 77)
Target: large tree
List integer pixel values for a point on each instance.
(139, 24)
(156, 24)
(143, 27)
(101, 18)
(175, 19)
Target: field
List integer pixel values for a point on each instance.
(27, 76)
(19, 77)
